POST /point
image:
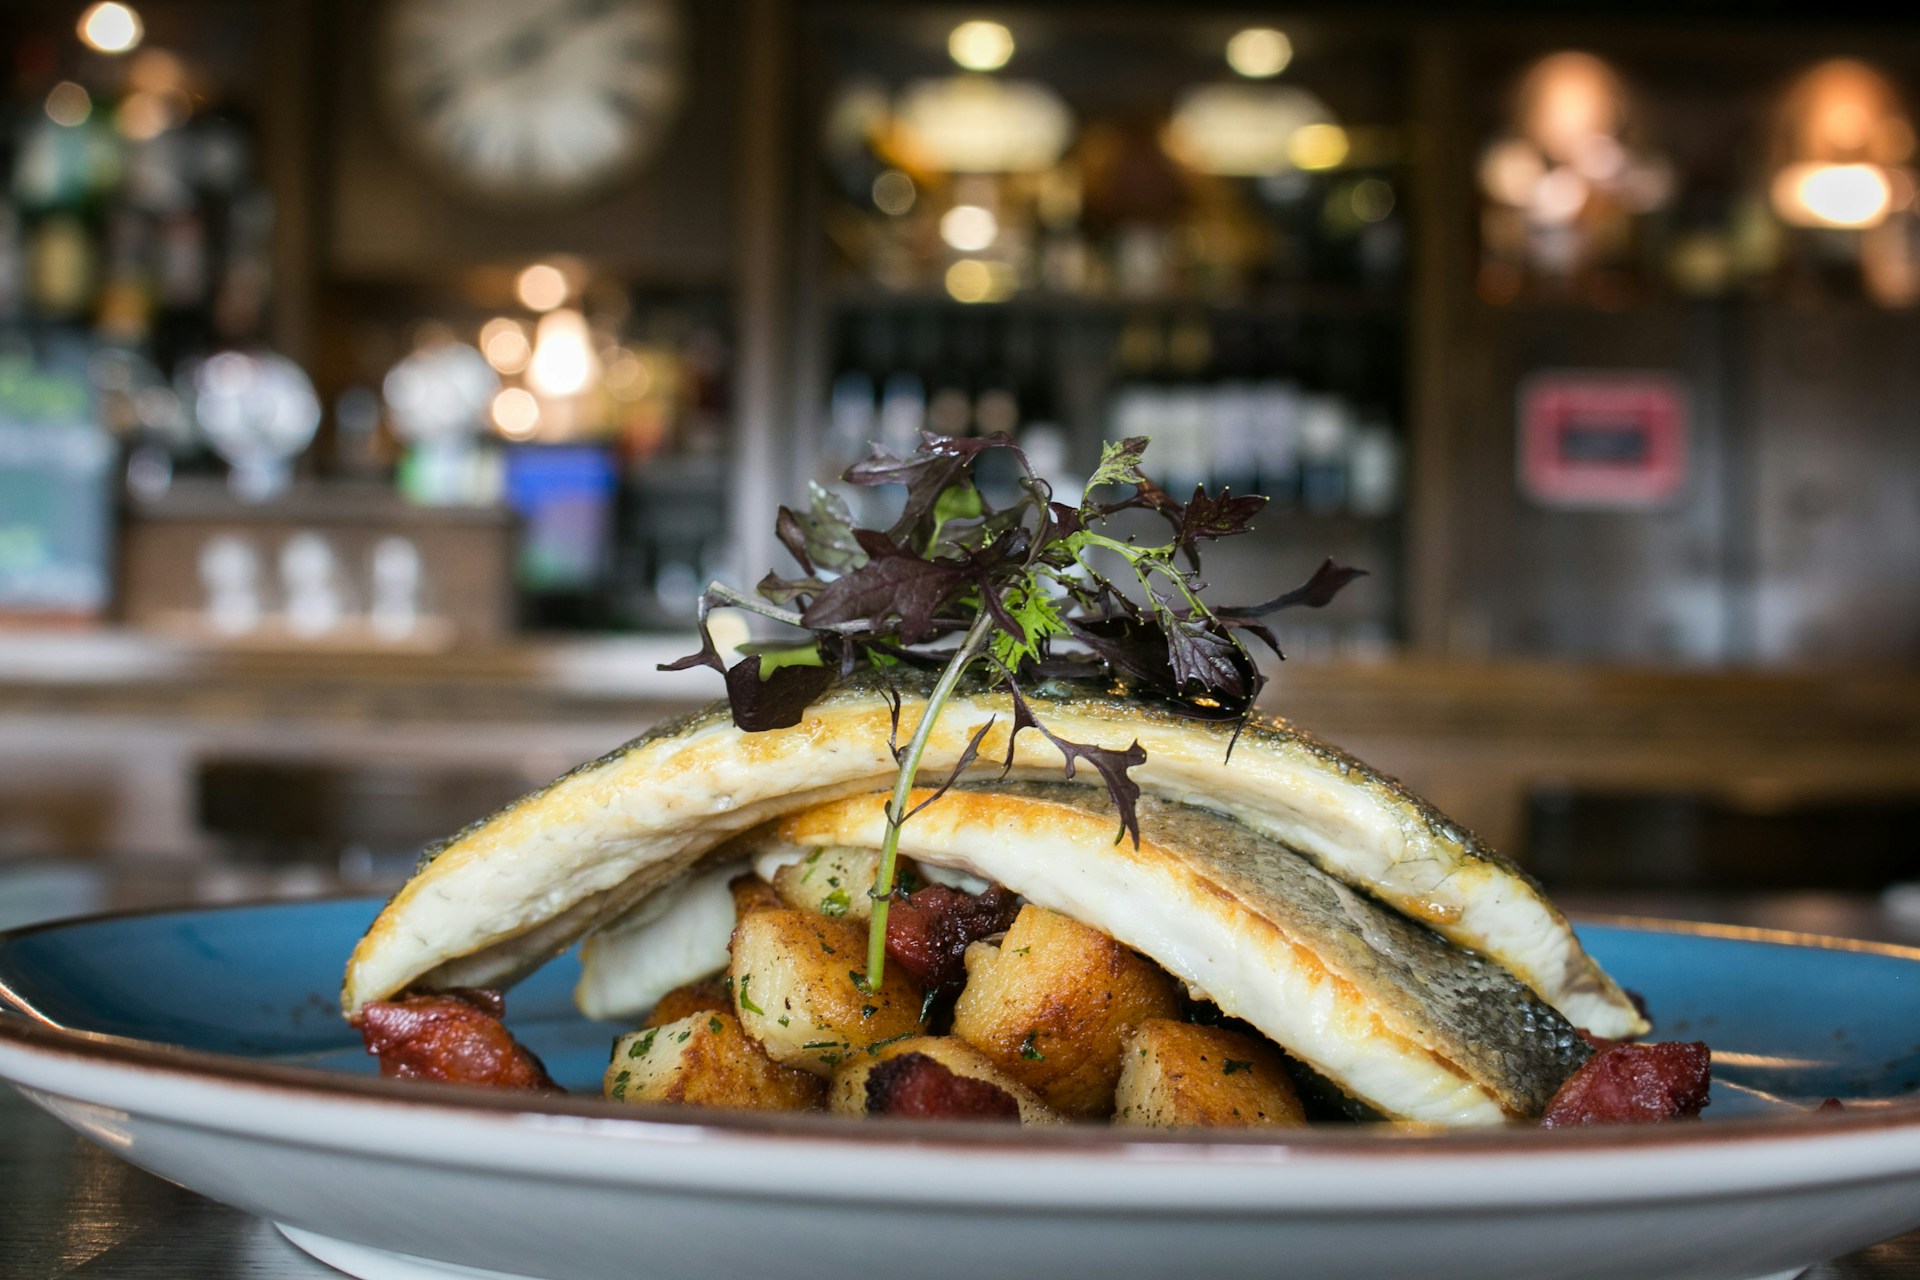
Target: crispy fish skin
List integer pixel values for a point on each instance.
(501, 896)
(1400, 1018)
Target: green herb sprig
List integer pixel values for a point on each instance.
(1021, 593)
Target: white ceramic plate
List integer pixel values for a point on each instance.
(204, 1046)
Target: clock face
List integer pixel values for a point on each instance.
(533, 100)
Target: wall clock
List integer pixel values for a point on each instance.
(532, 101)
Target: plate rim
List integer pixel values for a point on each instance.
(26, 1029)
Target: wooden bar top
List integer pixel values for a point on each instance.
(1476, 738)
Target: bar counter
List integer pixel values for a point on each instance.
(120, 722)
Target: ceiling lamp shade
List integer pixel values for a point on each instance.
(1841, 141)
(983, 124)
(1571, 147)
(1569, 99)
(1244, 130)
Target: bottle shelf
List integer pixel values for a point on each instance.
(1333, 301)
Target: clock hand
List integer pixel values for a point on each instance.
(531, 43)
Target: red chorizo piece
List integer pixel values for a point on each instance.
(915, 1086)
(928, 933)
(455, 1036)
(1634, 1083)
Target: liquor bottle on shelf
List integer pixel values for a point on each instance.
(1276, 434)
(1373, 469)
(1326, 430)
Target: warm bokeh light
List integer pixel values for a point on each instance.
(563, 362)
(970, 280)
(1510, 170)
(109, 27)
(980, 46)
(1259, 52)
(541, 287)
(627, 375)
(1848, 196)
(969, 228)
(1318, 146)
(68, 104)
(1242, 130)
(1844, 111)
(148, 113)
(1567, 99)
(158, 71)
(984, 124)
(504, 343)
(1558, 197)
(516, 413)
(894, 193)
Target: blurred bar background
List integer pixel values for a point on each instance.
(382, 380)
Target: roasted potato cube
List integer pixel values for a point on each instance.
(751, 894)
(848, 1096)
(833, 881)
(1052, 1006)
(705, 1060)
(703, 996)
(1176, 1075)
(795, 990)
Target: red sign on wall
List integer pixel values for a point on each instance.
(1602, 441)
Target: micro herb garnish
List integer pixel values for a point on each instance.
(1029, 1050)
(713, 1024)
(644, 1045)
(959, 585)
(1235, 1064)
(746, 1001)
(873, 1050)
(835, 903)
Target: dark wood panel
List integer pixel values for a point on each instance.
(1836, 462)
(1642, 585)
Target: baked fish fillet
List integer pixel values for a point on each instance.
(1394, 1014)
(499, 898)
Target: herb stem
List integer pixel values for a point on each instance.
(721, 596)
(970, 648)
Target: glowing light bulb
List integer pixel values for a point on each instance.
(563, 362)
(109, 27)
(541, 287)
(1259, 52)
(969, 228)
(980, 46)
(504, 343)
(1848, 196)
(972, 280)
(1318, 146)
(516, 413)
